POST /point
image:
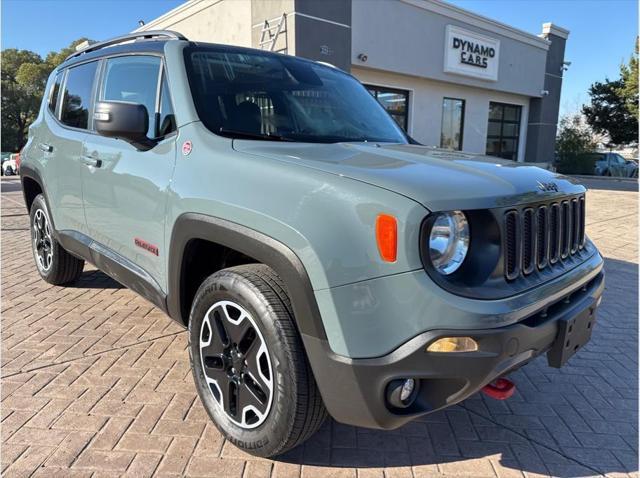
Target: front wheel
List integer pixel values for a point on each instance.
(249, 366)
(54, 263)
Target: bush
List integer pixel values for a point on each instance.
(577, 163)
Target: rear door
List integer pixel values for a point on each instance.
(60, 141)
(125, 190)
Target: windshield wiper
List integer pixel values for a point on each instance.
(248, 135)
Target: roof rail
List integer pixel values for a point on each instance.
(147, 35)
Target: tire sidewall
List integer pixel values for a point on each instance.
(269, 435)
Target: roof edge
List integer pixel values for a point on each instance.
(551, 29)
(448, 10)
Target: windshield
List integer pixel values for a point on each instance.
(243, 94)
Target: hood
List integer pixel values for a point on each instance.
(438, 179)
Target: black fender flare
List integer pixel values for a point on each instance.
(28, 171)
(263, 248)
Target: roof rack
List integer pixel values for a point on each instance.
(148, 35)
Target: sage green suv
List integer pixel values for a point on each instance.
(321, 260)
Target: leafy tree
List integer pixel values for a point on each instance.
(574, 142)
(614, 106)
(629, 76)
(24, 76)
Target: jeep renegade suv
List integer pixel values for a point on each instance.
(321, 260)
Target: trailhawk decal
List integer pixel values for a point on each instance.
(153, 249)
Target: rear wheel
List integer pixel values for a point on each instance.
(248, 362)
(55, 264)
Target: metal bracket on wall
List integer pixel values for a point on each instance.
(270, 33)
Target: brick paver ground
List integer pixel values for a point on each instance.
(96, 382)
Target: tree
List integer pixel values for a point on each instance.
(614, 106)
(573, 143)
(629, 76)
(24, 77)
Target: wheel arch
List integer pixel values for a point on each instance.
(262, 248)
(32, 185)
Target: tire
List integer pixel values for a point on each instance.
(267, 420)
(55, 265)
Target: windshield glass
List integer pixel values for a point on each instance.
(276, 97)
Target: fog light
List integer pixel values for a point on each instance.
(401, 393)
(453, 344)
(407, 389)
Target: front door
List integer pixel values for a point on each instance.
(125, 189)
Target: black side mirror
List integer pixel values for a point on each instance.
(126, 121)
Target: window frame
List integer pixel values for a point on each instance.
(63, 86)
(462, 118)
(161, 76)
(391, 89)
(502, 122)
(63, 74)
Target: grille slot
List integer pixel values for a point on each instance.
(542, 254)
(542, 236)
(512, 243)
(528, 239)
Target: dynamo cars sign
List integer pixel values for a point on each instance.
(471, 54)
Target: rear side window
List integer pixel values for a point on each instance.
(133, 79)
(76, 100)
(55, 92)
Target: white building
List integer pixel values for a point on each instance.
(450, 77)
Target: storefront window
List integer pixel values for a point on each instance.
(452, 123)
(396, 102)
(503, 131)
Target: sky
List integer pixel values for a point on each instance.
(602, 31)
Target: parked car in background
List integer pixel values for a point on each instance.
(3, 158)
(613, 164)
(12, 165)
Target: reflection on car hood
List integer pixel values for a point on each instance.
(438, 179)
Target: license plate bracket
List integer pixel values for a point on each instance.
(573, 333)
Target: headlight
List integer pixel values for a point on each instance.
(448, 241)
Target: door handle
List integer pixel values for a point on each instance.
(91, 161)
(47, 148)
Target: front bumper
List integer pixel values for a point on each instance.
(354, 390)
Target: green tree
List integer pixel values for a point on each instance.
(24, 76)
(614, 106)
(629, 89)
(574, 142)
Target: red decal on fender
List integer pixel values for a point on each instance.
(147, 246)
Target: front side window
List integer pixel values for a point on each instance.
(76, 99)
(503, 132)
(166, 118)
(278, 97)
(452, 123)
(133, 79)
(55, 92)
(396, 102)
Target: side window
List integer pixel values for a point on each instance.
(166, 118)
(133, 79)
(76, 100)
(55, 91)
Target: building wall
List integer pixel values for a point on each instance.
(214, 21)
(408, 36)
(425, 108)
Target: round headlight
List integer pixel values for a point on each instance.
(448, 241)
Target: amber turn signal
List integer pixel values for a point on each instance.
(387, 237)
(453, 344)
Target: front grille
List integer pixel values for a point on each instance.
(542, 236)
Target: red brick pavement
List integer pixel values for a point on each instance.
(96, 382)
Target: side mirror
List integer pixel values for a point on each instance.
(126, 121)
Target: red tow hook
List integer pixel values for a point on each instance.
(500, 389)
